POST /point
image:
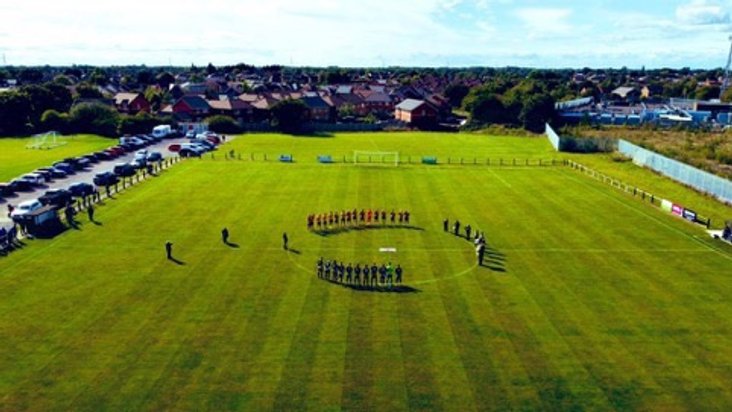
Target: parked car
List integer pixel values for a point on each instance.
(82, 163)
(174, 147)
(102, 155)
(214, 139)
(26, 207)
(117, 150)
(6, 189)
(107, 178)
(190, 134)
(35, 179)
(47, 175)
(154, 157)
(20, 185)
(81, 189)
(64, 166)
(56, 197)
(55, 172)
(124, 170)
(92, 158)
(139, 163)
(189, 152)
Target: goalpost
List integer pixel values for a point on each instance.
(375, 158)
(47, 140)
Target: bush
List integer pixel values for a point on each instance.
(95, 118)
(222, 124)
(138, 124)
(53, 120)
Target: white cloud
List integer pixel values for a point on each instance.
(702, 12)
(541, 21)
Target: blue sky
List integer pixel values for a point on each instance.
(550, 33)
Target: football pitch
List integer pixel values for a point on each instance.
(589, 298)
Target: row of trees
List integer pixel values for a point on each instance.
(527, 103)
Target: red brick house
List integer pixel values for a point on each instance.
(131, 103)
(416, 112)
(235, 108)
(192, 107)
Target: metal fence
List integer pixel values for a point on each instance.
(698, 179)
(579, 144)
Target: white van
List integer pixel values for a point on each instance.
(162, 131)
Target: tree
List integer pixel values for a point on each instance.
(145, 77)
(289, 115)
(53, 120)
(15, 110)
(455, 93)
(210, 69)
(222, 124)
(346, 110)
(88, 91)
(488, 109)
(138, 124)
(94, 118)
(30, 75)
(537, 110)
(707, 93)
(164, 80)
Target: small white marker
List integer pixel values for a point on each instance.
(387, 249)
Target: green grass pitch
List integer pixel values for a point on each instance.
(591, 300)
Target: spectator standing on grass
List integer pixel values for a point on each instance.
(468, 229)
(398, 272)
(90, 212)
(225, 235)
(480, 251)
(169, 250)
(446, 225)
(456, 228)
(10, 209)
(284, 240)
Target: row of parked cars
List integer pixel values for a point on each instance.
(70, 166)
(197, 146)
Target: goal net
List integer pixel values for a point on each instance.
(376, 158)
(47, 140)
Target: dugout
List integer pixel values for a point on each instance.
(43, 222)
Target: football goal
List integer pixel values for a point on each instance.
(361, 157)
(47, 140)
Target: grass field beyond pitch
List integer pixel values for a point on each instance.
(16, 159)
(591, 300)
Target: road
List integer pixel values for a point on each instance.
(86, 175)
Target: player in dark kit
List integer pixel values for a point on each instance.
(349, 271)
(398, 272)
(445, 225)
(357, 274)
(320, 267)
(374, 273)
(365, 275)
(393, 216)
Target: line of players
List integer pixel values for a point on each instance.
(373, 275)
(354, 217)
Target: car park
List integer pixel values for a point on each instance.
(107, 178)
(92, 158)
(56, 197)
(103, 155)
(82, 163)
(81, 189)
(26, 207)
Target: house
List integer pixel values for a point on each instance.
(318, 109)
(235, 108)
(131, 103)
(416, 112)
(626, 93)
(375, 102)
(191, 107)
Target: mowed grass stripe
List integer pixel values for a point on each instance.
(568, 320)
(552, 387)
